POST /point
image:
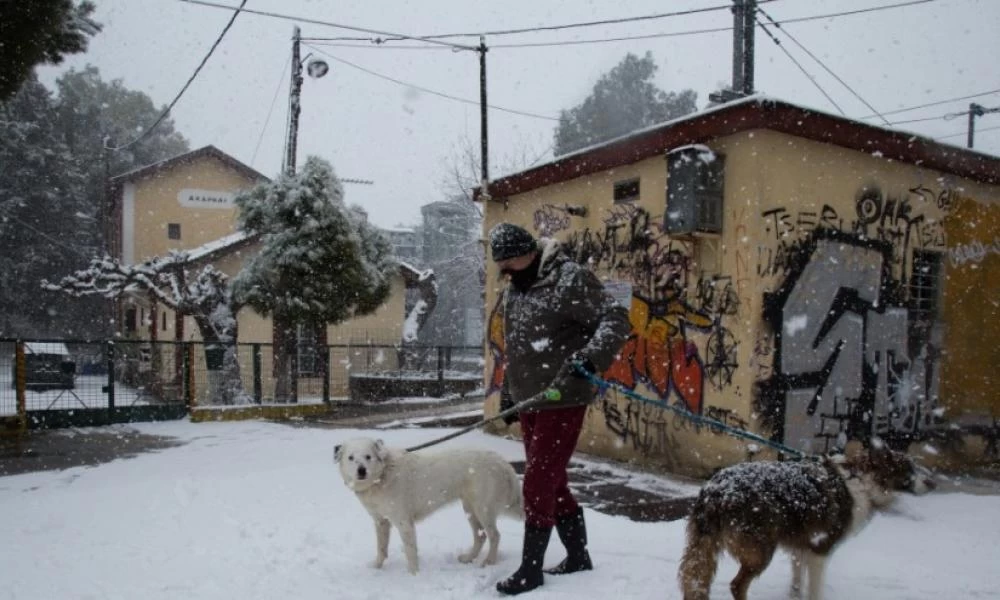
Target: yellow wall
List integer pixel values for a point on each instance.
(779, 190)
(156, 201)
(972, 311)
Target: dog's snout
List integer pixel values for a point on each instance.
(362, 472)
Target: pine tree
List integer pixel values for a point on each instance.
(320, 262)
(34, 32)
(41, 228)
(623, 99)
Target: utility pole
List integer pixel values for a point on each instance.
(294, 103)
(744, 24)
(484, 148)
(749, 27)
(738, 28)
(976, 110)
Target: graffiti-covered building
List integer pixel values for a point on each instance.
(802, 275)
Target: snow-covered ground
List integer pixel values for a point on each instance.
(256, 510)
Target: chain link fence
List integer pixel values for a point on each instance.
(72, 382)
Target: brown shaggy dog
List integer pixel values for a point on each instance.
(806, 507)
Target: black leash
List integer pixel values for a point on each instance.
(549, 395)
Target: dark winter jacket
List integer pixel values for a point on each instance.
(566, 313)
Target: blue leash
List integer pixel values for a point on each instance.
(553, 395)
(603, 385)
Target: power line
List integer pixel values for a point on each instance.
(428, 90)
(562, 26)
(799, 65)
(951, 135)
(380, 43)
(929, 104)
(275, 15)
(709, 30)
(946, 117)
(822, 64)
(62, 245)
(190, 80)
(270, 109)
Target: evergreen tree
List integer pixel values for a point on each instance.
(623, 99)
(41, 230)
(321, 262)
(53, 173)
(39, 31)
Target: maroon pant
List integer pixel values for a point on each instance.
(549, 441)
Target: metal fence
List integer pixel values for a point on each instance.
(57, 382)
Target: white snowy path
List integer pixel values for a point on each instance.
(256, 510)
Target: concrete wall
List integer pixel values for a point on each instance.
(800, 317)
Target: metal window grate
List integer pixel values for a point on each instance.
(925, 286)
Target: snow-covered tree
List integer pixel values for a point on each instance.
(40, 32)
(42, 230)
(321, 262)
(53, 170)
(205, 296)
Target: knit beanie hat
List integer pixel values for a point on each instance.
(509, 241)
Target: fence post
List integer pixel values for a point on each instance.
(110, 351)
(293, 379)
(258, 381)
(20, 384)
(440, 371)
(326, 374)
(189, 375)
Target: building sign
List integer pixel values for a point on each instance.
(190, 198)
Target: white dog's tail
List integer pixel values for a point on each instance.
(515, 503)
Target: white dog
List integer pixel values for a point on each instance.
(400, 488)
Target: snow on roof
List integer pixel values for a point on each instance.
(217, 245)
(46, 348)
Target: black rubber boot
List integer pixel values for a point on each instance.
(573, 534)
(529, 575)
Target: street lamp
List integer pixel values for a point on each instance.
(316, 68)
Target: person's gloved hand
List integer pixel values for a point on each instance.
(577, 362)
(507, 402)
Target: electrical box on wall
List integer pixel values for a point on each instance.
(694, 190)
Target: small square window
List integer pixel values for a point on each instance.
(627, 190)
(174, 231)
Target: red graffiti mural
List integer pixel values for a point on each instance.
(658, 353)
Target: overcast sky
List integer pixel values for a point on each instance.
(405, 139)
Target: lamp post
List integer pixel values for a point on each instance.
(316, 68)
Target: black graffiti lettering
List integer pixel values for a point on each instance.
(779, 221)
(727, 417)
(644, 426)
(829, 219)
(806, 221)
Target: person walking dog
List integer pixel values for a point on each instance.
(557, 318)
